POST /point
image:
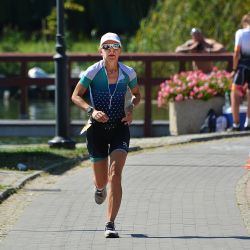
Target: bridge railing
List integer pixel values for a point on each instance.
(23, 82)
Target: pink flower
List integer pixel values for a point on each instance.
(196, 89)
(194, 85)
(179, 98)
(200, 96)
(178, 89)
(162, 85)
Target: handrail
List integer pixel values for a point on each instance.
(23, 81)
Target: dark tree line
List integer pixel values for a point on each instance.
(99, 16)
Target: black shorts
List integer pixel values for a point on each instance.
(102, 141)
(242, 75)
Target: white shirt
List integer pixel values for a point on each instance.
(242, 41)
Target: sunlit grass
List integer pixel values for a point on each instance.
(43, 46)
(37, 157)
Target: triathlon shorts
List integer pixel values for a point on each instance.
(103, 140)
(242, 75)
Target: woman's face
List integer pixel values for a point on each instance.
(110, 51)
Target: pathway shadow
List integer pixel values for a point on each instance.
(190, 237)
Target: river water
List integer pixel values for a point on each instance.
(44, 109)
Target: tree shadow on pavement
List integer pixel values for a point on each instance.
(190, 237)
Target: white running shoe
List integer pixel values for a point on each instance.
(110, 231)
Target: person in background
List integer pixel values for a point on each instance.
(241, 72)
(200, 44)
(108, 134)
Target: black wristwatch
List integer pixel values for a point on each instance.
(90, 111)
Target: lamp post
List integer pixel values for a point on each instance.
(61, 139)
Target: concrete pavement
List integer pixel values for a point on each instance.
(180, 197)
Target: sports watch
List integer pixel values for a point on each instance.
(90, 111)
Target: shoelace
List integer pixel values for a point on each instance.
(110, 226)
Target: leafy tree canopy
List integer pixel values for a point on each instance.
(170, 21)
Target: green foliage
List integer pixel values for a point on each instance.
(71, 5)
(10, 38)
(35, 45)
(168, 24)
(49, 23)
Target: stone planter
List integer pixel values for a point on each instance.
(186, 117)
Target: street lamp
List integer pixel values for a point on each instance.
(61, 139)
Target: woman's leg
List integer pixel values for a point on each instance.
(248, 103)
(235, 104)
(100, 169)
(117, 161)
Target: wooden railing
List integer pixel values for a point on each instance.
(23, 82)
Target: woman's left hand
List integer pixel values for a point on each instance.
(128, 118)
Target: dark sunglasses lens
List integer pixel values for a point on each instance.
(116, 46)
(109, 46)
(106, 46)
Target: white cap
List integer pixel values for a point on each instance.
(195, 30)
(110, 36)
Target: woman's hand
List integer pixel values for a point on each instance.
(232, 74)
(128, 118)
(99, 116)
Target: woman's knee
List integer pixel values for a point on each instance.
(115, 175)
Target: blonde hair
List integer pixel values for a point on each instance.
(245, 21)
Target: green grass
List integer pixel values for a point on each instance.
(21, 140)
(3, 187)
(36, 157)
(43, 46)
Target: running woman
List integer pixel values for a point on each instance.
(108, 135)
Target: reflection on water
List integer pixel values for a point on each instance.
(41, 109)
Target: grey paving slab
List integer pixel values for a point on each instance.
(181, 197)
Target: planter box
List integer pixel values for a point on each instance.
(186, 117)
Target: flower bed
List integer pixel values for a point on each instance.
(191, 85)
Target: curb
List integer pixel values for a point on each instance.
(20, 183)
(221, 136)
(71, 162)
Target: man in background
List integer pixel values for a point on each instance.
(200, 44)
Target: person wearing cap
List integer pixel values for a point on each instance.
(108, 134)
(241, 73)
(200, 44)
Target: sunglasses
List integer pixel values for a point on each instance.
(112, 45)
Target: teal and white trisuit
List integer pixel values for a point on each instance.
(103, 138)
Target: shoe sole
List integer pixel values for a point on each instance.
(111, 235)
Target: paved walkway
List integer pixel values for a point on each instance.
(181, 197)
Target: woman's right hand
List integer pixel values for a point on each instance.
(99, 116)
(232, 74)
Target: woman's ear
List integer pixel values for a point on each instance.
(100, 51)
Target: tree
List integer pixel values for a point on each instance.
(49, 27)
(169, 23)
